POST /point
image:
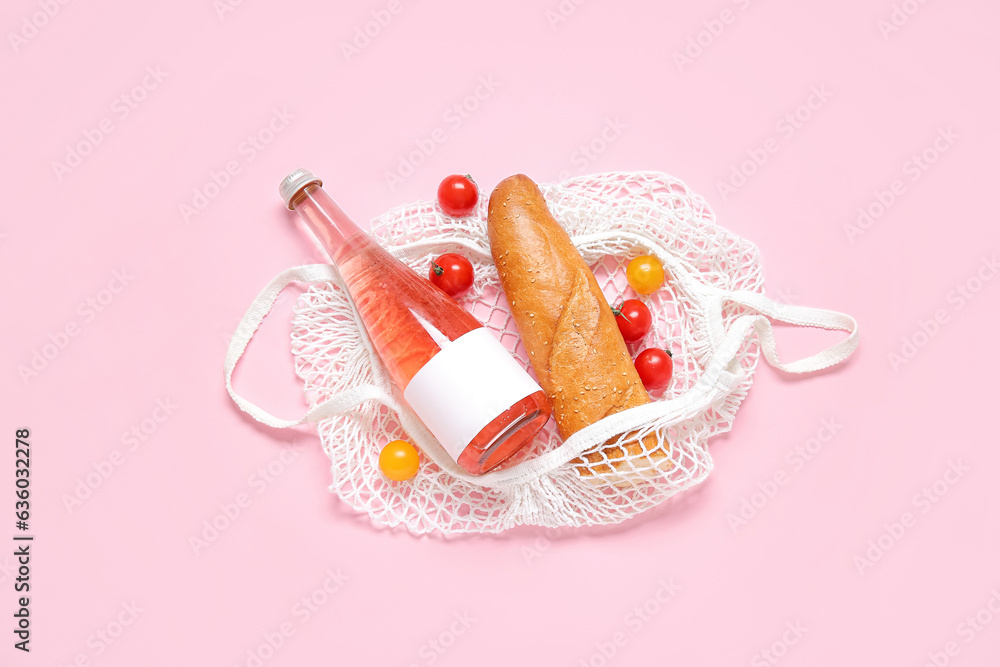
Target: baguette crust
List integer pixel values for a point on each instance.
(566, 324)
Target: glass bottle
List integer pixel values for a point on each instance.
(461, 382)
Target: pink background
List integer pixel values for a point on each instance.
(528, 596)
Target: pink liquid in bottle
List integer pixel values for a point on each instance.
(466, 388)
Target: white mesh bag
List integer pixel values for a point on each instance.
(712, 314)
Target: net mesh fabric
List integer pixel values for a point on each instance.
(611, 218)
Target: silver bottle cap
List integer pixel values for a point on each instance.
(294, 182)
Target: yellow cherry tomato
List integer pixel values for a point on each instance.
(399, 460)
(644, 274)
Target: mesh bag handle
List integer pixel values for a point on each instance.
(251, 321)
(790, 314)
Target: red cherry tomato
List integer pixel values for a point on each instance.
(655, 368)
(458, 195)
(452, 273)
(634, 320)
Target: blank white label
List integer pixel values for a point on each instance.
(469, 383)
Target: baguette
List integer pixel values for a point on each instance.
(566, 324)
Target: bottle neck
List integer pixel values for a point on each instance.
(328, 223)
